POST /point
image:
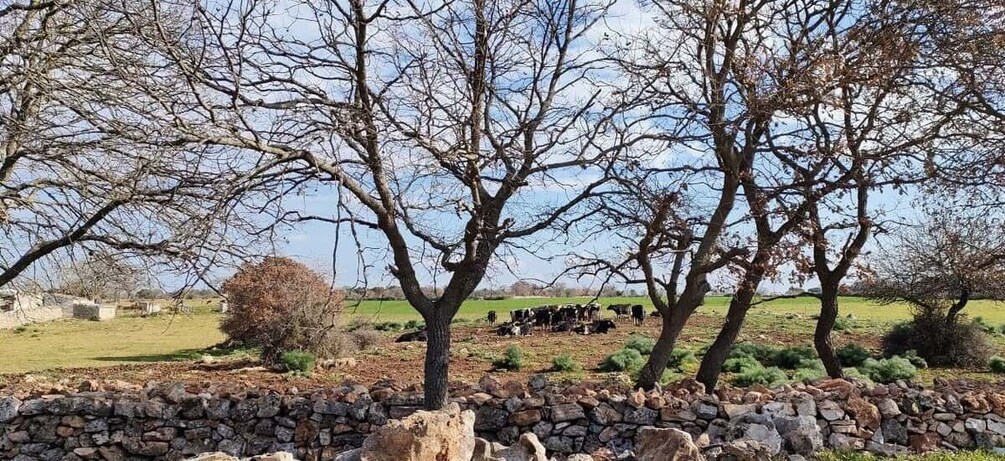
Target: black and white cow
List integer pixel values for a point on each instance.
(620, 310)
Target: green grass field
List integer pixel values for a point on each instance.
(131, 339)
(860, 308)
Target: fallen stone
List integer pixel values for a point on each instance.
(656, 444)
(446, 435)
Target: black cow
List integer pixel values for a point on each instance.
(638, 314)
(620, 310)
(603, 326)
(567, 325)
(567, 313)
(543, 316)
(413, 336)
(583, 329)
(593, 311)
(519, 315)
(492, 317)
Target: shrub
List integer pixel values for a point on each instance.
(414, 325)
(564, 362)
(298, 361)
(739, 364)
(629, 360)
(844, 323)
(809, 370)
(387, 326)
(888, 370)
(511, 360)
(641, 343)
(760, 375)
(363, 339)
(912, 356)
(852, 355)
(997, 365)
(763, 354)
(680, 357)
(960, 344)
(790, 357)
(281, 305)
(854, 373)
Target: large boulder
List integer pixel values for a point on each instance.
(445, 435)
(655, 444)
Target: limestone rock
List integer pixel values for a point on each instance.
(800, 433)
(759, 428)
(215, 456)
(747, 450)
(865, 413)
(527, 448)
(446, 435)
(8, 408)
(655, 444)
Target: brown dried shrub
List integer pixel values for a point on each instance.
(282, 305)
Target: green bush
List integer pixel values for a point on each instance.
(844, 323)
(888, 370)
(790, 357)
(387, 326)
(997, 364)
(629, 360)
(680, 357)
(641, 343)
(414, 325)
(298, 361)
(739, 364)
(854, 373)
(564, 363)
(809, 370)
(770, 376)
(511, 360)
(763, 354)
(912, 356)
(852, 355)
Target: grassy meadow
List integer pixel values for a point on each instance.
(130, 339)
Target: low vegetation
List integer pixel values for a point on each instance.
(298, 361)
(565, 363)
(997, 365)
(852, 355)
(626, 360)
(888, 370)
(512, 359)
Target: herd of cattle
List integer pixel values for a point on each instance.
(584, 319)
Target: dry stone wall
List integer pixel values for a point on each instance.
(121, 422)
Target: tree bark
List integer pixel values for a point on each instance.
(657, 362)
(711, 363)
(822, 333)
(436, 369)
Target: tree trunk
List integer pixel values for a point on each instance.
(657, 362)
(822, 333)
(711, 363)
(436, 370)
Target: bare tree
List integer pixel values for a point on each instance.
(734, 76)
(450, 131)
(942, 263)
(70, 184)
